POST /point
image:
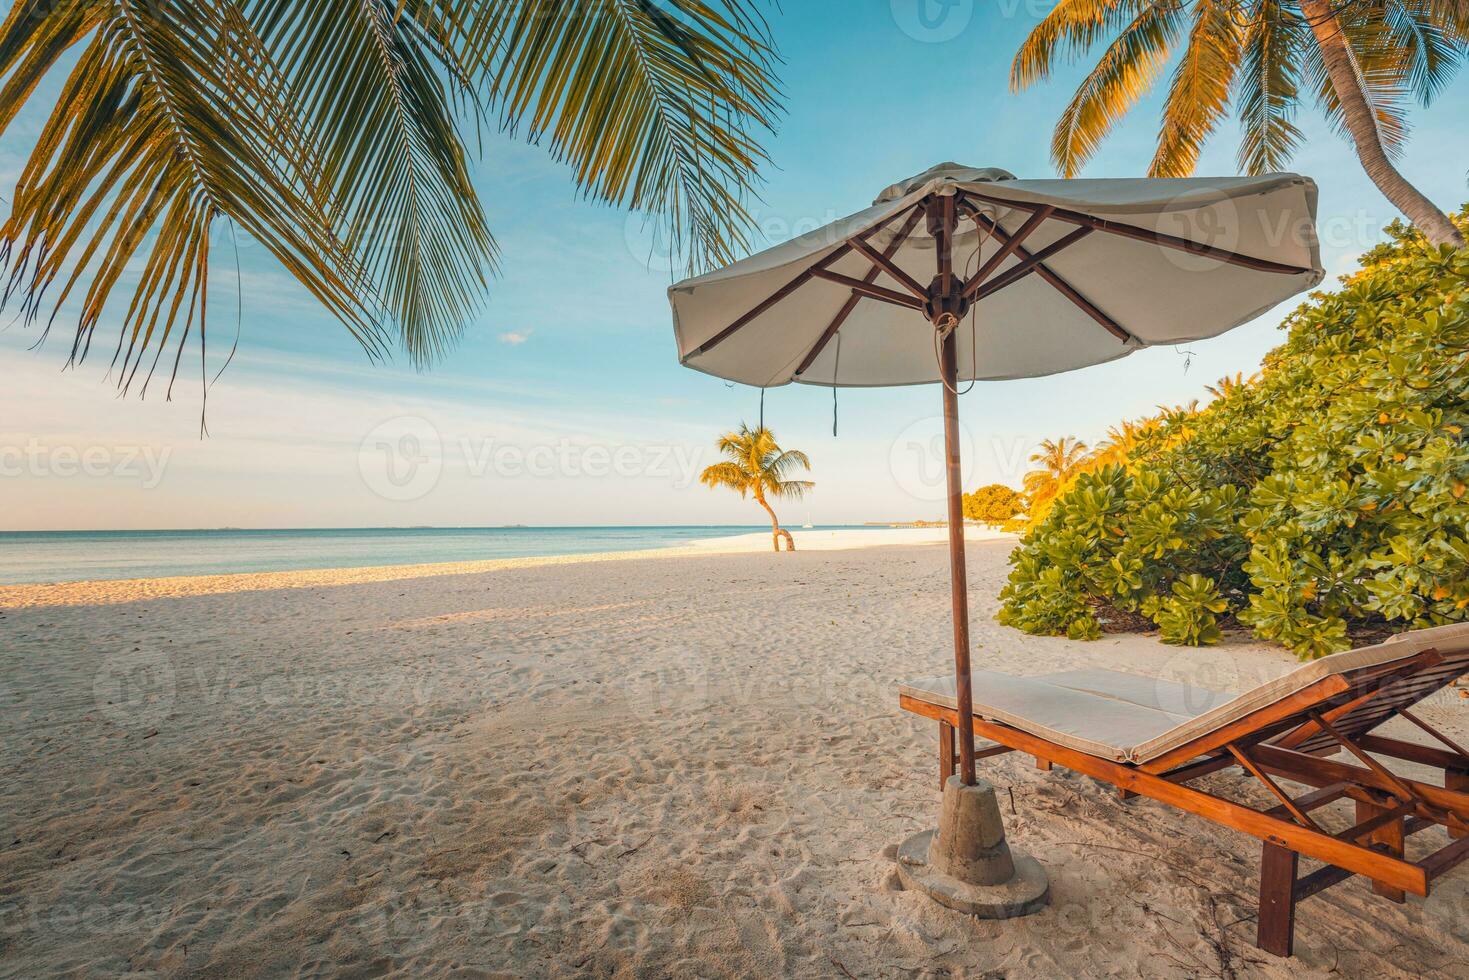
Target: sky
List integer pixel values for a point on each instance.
(565, 404)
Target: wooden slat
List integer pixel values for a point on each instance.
(1312, 769)
(885, 264)
(1396, 786)
(1022, 269)
(1412, 752)
(1445, 859)
(1276, 791)
(1457, 780)
(1204, 767)
(1155, 237)
(1221, 811)
(1060, 285)
(869, 289)
(1285, 711)
(1314, 800)
(1007, 246)
(1323, 878)
(794, 284)
(1453, 746)
(855, 298)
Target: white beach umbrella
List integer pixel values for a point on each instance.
(970, 274)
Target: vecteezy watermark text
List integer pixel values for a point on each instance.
(403, 459)
(144, 464)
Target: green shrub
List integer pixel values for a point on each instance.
(1322, 499)
(994, 504)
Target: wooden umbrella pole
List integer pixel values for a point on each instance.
(958, 577)
(946, 308)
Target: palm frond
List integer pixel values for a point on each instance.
(1381, 73)
(657, 105)
(1068, 31)
(1198, 98)
(379, 82)
(1268, 89)
(155, 136)
(788, 489)
(1429, 38)
(782, 464)
(1126, 70)
(727, 475)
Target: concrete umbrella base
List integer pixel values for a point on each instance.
(967, 865)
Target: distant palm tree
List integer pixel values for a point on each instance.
(329, 133)
(1259, 58)
(758, 466)
(1059, 461)
(1227, 385)
(1121, 442)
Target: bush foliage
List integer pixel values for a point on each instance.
(1322, 499)
(995, 504)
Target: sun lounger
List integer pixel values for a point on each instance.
(1152, 738)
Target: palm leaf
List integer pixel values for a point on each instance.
(1069, 30)
(728, 475)
(1126, 70)
(1429, 38)
(1198, 98)
(378, 82)
(1381, 72)
(1268, 90)
(155, 136)
(656, 105)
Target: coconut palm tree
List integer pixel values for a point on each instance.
(1258, 58)
(758, 467)
(331, 133)
(1058, 461)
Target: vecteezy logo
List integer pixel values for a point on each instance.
(918, 461)
(402, 458)
(932, 21)
(136, 689)
(1208, 218)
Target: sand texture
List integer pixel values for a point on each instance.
(649, 767)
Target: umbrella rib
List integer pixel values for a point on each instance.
(1153, 237)
(869, 289)
(990, 264)
(1057, 283)
(800, 280)
(1017, 272)
(885, 264)
(856, 297)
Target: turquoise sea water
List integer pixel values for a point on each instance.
(71, 556)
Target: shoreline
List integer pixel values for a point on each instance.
(106, 592)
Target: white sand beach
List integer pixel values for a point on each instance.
(683, 763)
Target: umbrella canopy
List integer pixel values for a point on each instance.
(1060, 274)
(960, 274)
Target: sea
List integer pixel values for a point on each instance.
(74, 556)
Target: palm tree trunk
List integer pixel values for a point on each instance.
(774, 521)
(1361, 123)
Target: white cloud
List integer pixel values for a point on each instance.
(515, 337)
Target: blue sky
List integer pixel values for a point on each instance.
(565, 404)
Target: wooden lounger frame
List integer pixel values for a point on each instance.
(1290, 739)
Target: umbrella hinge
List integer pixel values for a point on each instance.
(945, 311)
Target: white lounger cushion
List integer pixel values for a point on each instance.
(1130, 718)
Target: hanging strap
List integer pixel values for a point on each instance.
(835, 368)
